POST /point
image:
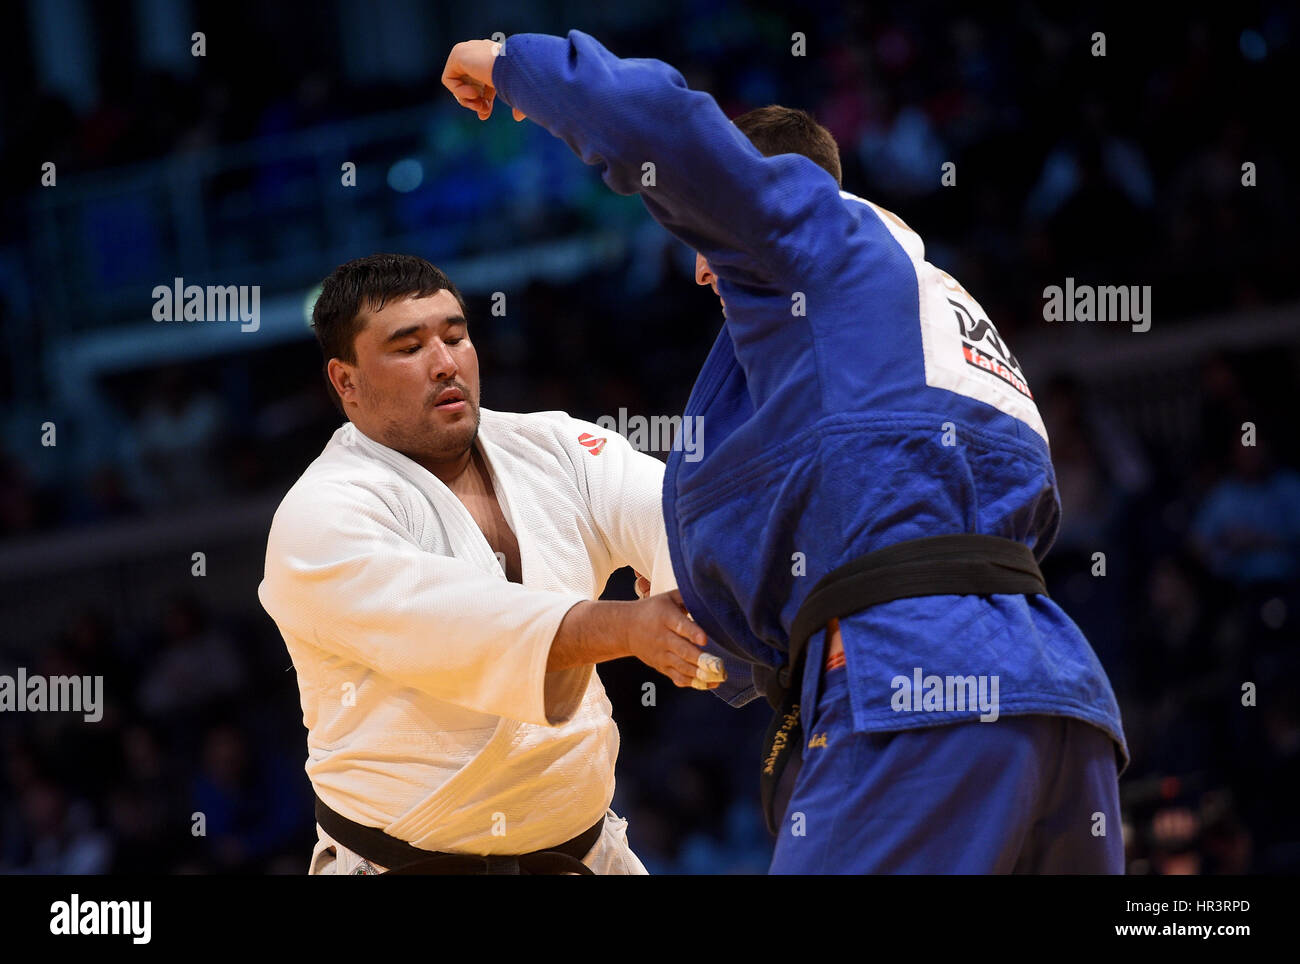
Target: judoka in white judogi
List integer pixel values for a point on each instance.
(422, 669)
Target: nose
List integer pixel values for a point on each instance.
(703, 274)
(442, 364)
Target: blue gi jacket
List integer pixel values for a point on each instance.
(856, 397)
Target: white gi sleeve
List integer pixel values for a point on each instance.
(344, 575)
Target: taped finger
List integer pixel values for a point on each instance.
(709, 669)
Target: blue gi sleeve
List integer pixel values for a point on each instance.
(754, 218)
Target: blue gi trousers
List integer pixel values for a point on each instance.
(1017, 795)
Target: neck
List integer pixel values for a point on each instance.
(448, 471)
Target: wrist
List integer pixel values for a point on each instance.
(590, 632)
(612, 625)
(505, 62)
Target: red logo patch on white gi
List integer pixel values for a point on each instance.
(591, 442)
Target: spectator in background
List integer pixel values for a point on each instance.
(1091, 181)
(1224, 407)
(198, 665)
(146, 810)
(1248, 527)
(59, 833)
(253, 804)
(1174, 632)
(906, 154)
(177, 433)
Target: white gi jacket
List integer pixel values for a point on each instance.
(422, 669)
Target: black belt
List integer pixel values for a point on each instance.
(952, 565)
(402, 858)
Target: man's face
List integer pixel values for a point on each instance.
(414, 387)
(704, 275)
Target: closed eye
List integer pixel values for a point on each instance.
(410, 351)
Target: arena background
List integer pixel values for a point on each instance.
(175, 438)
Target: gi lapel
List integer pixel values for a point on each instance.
(467, 540)
(501, 466)
(421, 823)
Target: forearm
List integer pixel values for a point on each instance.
(591, 632)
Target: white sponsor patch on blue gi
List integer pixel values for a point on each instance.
(963, 351)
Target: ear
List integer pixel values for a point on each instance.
(343, 377)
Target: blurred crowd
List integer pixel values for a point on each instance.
(195, 766)
(1125, 169)
(1197, 615)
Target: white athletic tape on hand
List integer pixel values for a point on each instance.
(709, 670)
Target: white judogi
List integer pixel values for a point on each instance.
(422, 669)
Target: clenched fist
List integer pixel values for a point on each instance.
(468, 75)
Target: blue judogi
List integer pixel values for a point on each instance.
(1017, 796)
(856, 397)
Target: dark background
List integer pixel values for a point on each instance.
(225, 169)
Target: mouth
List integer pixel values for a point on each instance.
(451, 400)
